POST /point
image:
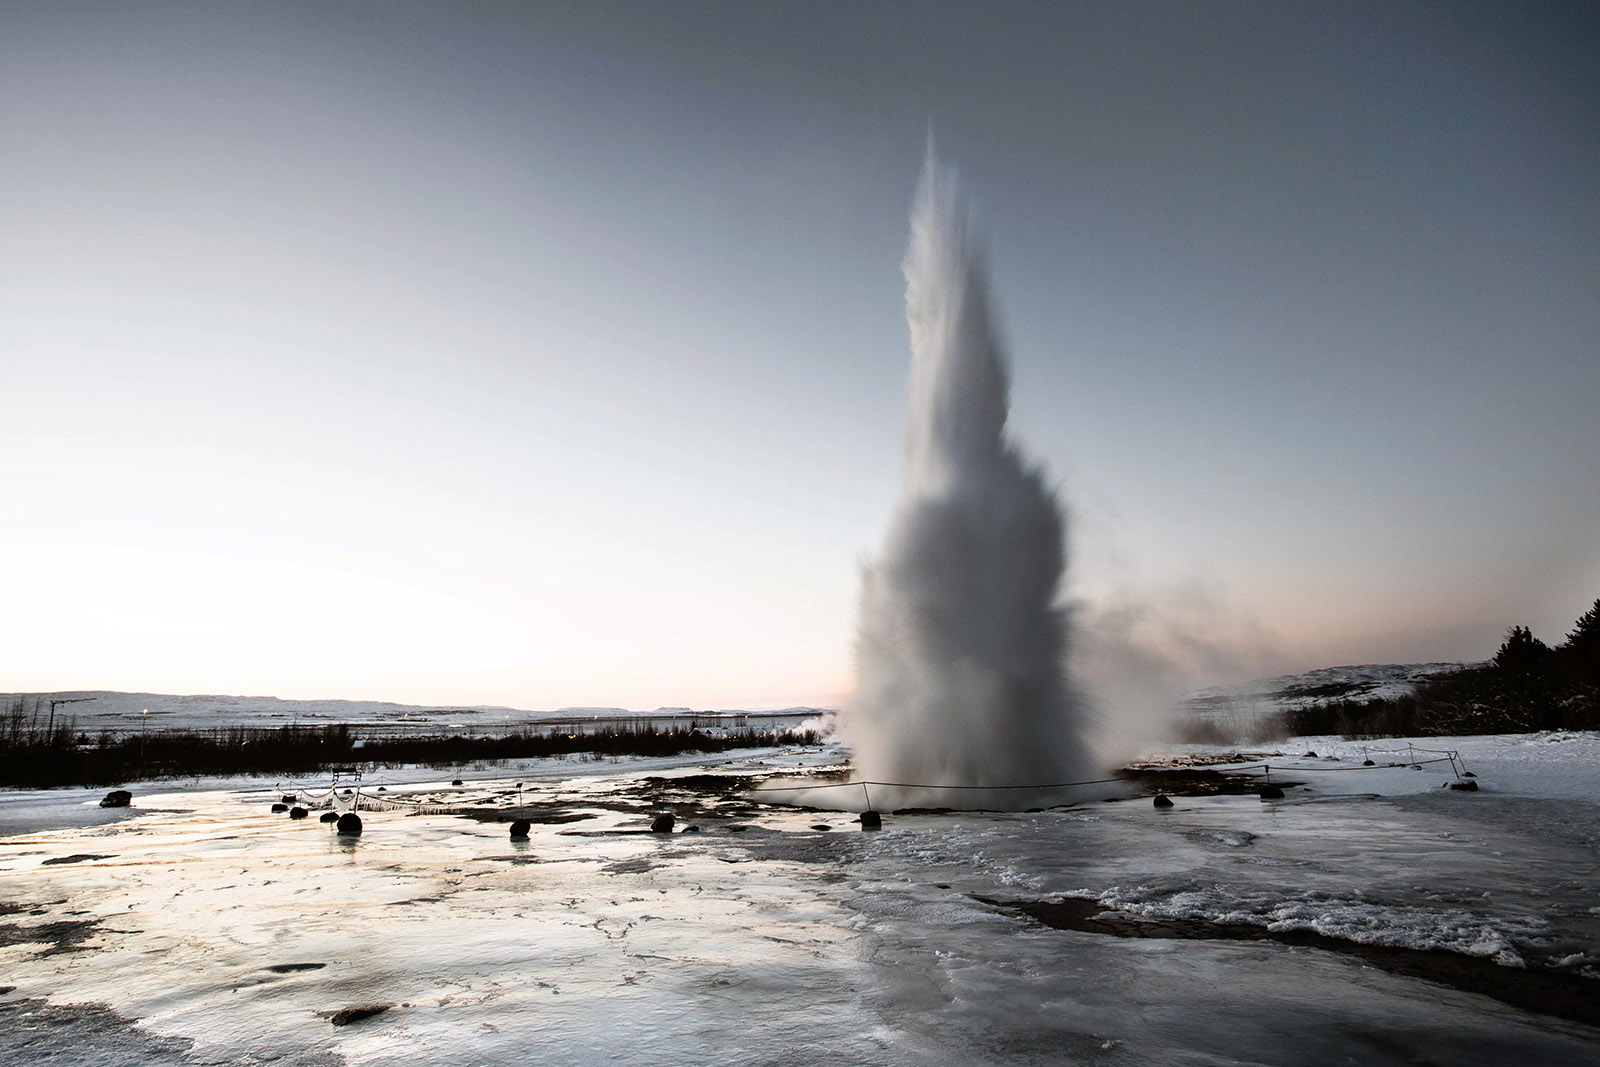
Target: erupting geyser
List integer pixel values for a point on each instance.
(960, 655)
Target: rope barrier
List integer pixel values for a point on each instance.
(924, 785)
(1346, 770)
(1448, 756)
(366, 801)
(1231, 767)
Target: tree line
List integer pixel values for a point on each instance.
(34, 753)
(1527, 686)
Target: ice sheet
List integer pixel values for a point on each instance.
(784, 943)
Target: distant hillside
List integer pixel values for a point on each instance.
(94, 711)
(1527, 686)
(1255, 709)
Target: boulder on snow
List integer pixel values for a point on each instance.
(1163, 801)
(279, 809)
(519, 829)
(871, 820)
(329, 816)
(350, 823)
(1465, 787)
(356, 1012)
(455, 781)
(1367, 763)
(297, 812)
(662, 824)
(1271, 792)
(289, 798)
(1309, 755)
(117, 798)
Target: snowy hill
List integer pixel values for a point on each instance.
(1249, 709)
(93, 711)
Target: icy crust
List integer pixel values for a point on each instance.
(1392, 926)
(201, 918)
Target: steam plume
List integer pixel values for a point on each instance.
(960, 675)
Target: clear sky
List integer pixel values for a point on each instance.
(553, 354)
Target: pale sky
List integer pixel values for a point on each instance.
(554, 354)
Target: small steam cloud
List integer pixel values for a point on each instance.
(1140, 651)
(961, 647)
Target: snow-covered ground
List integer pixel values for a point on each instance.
(778, 935)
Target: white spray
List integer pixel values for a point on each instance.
(960, 654)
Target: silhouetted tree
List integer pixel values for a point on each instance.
(1580, 652)
(1522, 653)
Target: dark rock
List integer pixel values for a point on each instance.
(1367, 763)
(871, 820)
(278, 809)
(356, 1012)
(329, 816)
(1271, 792)
(1465, 787)
(117, 798)
(383, 789)
(690, 830)
(291, 968)
(298, 812)
(347, 792)
(1468, 774)
(455, 781)
(519, 829)
(349, 823)
(1309, 755)
(1163, 801)
(289, 798)
(662, 824)
(820, 826)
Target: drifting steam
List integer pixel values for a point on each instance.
(960, 676)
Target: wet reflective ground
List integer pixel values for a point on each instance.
(205, 929)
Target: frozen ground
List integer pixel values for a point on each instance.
(200, 928)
